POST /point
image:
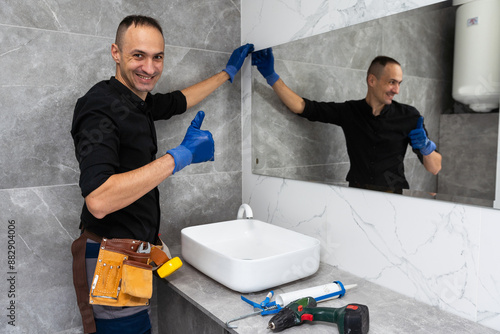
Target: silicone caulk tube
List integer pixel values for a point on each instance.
(319, 292)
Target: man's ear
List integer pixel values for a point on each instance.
(371, 80)
(115, 53)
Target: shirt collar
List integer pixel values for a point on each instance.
(131, 96)
(369, 110)
(385, 109)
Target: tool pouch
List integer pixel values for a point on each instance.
(122, 276)
(137, 279)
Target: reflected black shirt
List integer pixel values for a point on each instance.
(376, 145)
(113, 132)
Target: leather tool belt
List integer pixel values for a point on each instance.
(122, 277)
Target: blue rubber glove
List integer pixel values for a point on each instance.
(264, 60)
(419, 140)
(197, 146)
(236, 60)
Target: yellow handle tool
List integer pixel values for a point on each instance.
(169, 267)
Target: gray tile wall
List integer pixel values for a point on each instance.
(186, 317)
(52, 52)
(477, 146)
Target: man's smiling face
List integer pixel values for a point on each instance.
(139, 59)
(387, 86)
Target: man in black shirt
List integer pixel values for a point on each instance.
(115, 145)
(377, 129)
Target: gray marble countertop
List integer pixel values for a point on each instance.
(390, 312)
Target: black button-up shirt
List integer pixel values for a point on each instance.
(113, 132)
(376, 145)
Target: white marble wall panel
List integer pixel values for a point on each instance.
(441, 254)
(272, 22)
(432, 256)
(488, 301)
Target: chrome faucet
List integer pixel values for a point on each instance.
(245, 209)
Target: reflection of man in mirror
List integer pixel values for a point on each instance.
(377, 129)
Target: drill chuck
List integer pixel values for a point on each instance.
(284, 319)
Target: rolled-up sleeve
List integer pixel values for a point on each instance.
(167, 105)
(325, 112)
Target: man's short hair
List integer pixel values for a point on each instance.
(378, 64)
(136, 20)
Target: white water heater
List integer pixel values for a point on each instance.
(476, 67)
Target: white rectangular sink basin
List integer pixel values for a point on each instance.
(248, 255)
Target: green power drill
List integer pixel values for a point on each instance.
(350, 319)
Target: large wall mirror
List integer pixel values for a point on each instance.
(332, 67)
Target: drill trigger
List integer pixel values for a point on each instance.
(306, 316)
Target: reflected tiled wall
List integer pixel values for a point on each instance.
(332, 67)
(478, 133)
(52, 53)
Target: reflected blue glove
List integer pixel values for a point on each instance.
(264, 60)
(236, 60)
(197, 146)
(419, 140)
